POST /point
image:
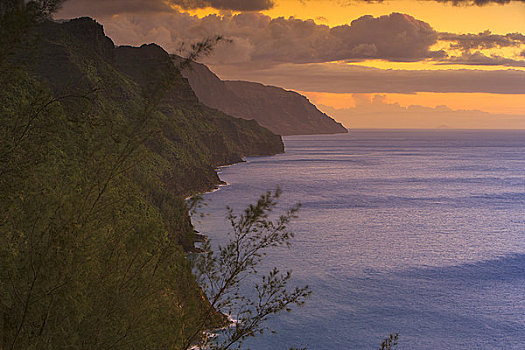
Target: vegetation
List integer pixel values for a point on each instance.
(98, 147)
(390, 342)
(220, 273)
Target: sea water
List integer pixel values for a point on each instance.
(416, 232)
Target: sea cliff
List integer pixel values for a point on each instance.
(100, 145)
(281, 111)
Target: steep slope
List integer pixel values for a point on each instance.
(98, 147)
(199, 138)
(281, 111)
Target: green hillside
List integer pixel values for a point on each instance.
(99, 145)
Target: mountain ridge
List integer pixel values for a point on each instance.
(282, 111)
(100, 146)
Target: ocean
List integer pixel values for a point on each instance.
(417, 232)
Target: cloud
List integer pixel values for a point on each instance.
(262, 40)
(479, 59)
(471, 46)
(95, 8)
(397, 37)
(75, 8)
(483, 40)
(373, 111)
(234, 5)
(345, 78)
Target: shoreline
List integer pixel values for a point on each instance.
(213, 333)
(198, 236)
(217, 186)
(214, 189)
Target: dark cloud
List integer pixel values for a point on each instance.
(258, 40)
(374, 111)
(483, 40)
(234, 5)
(95, 8)
(75, 8)
(343, 78)
(397, 37)
(261, 40)
(479, 59)
(478, 2)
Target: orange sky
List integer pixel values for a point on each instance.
(288, 52)
(443, 17)
(493, 103)
(499, 19)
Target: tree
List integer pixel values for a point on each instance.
(197, 50)
(17, 17)
(91, 251)
(90, 237)
(220, 273)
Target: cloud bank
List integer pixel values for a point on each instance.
(233, 5)
(478, 2)
(344, 78)
(483, 40)
(263, 40)
(260, 40)
(296, 54)
(374, 111)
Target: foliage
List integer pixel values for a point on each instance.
(17, 17)
(198, 49)
(98, 147)
(220, 273)
(390, 342)
(96, 156)
(85, 255)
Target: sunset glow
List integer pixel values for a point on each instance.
(415, 53)
(262, 174)
(492, 103)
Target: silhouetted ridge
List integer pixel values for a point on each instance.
(281, 111)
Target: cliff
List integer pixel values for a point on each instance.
(99, 147)
(281, 111)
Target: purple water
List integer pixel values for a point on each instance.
(416, 232)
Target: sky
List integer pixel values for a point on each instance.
(366, 63)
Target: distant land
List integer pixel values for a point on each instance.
(281, 111)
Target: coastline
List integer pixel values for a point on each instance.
(198, 236)
(216, 187)
(395, 207)
(214, 333)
